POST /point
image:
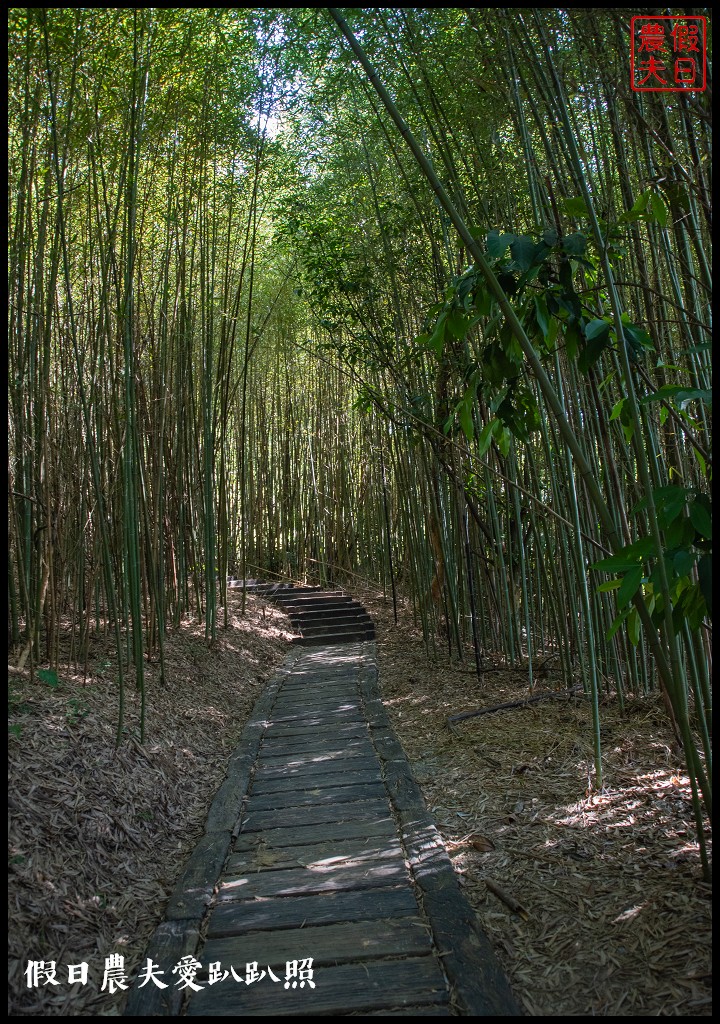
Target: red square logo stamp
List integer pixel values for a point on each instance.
(668, 53)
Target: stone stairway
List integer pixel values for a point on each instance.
(320, 616)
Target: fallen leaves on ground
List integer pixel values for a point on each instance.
(618, 919)
(99, 835)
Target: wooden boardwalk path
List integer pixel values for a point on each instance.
(320, 858)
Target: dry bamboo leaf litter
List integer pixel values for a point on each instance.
(98, 836)
(619, 920)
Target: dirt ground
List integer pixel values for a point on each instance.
(594, 900)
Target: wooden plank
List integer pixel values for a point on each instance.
(339, 662)
(194, 890)
(354, 726)
(330, 615)
(388, 746)
(334, 757)
(317, 704)
(361, 810)
(304, 704)
(346, 988)
(321, 676)
(312, 703)
(331, 733)
(304, 911)
(337, 617)
(357, 748)
(300, 835)
(277, 745)
(171, 941)
(279, 784)
(329, 627)
(225, 808)
(324, 668)
(348, 942)
(278, 768)
(305, 717)
(294, 797)
(259, 856)
(314, 692)
(307, 881)
(326, 638)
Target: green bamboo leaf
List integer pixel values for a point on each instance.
(541, 315)
(504, 440)
(670, 503)
(486, 436)
(618, 408)
(523, 251)
(700, 518)
(633, 626)
(576, 207)
(678, 395)
(695, 607)
(466, 420)
(497, 244)
(637, 338)
(617, 622)
(436, 341)
(659, 209)
(572, 341)
(609, 585)
(597, 329)
(628, 558)
(592, 352)
(680, 533)
(575, 244)
(683, 561)
(458, 324)
(629, 586)
(640, 205)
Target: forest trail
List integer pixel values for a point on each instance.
(319, 852)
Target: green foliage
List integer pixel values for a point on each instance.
(679, 396)
(684, 515)
(76, 710)
(49, 677)
(539, 273)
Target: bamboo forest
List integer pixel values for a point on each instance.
(359, 511)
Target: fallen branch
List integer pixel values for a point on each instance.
(574, 690)
(507, 899)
